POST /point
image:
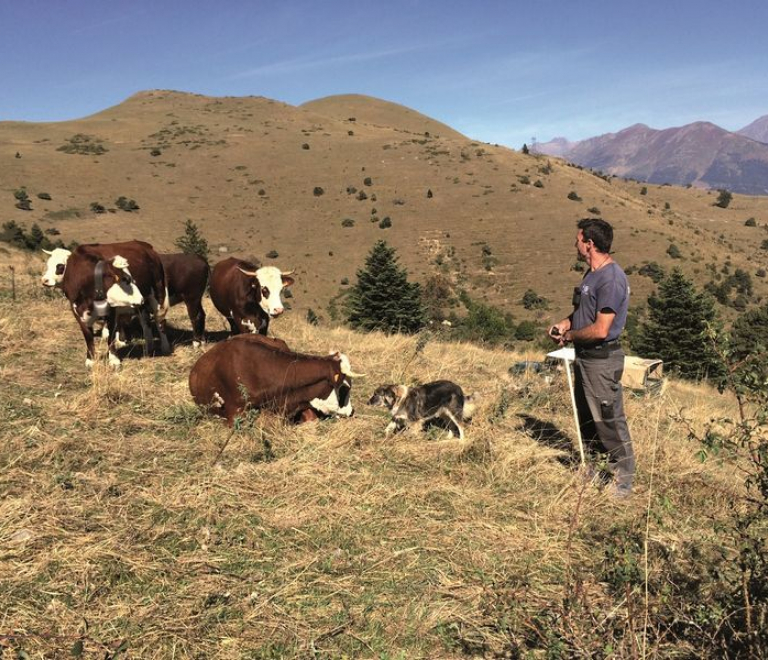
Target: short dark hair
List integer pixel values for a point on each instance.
(598, 231)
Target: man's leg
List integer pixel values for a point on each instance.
(605, 399)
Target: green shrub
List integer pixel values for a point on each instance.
(652, 270)
(318, 191)
(573, 196)
(97, 208)
(723, 199)
(674, 252)
(368, 181)
(44, 195)
(385, 223)
(83, 145)
(751, 222)
(484, 323)
(644, 190)
(125, 204)
(273, 254)
(347, 222)
(532, 300)
(526, 331)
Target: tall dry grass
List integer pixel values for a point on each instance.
(124, 529)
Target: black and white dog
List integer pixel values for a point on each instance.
(441, 400)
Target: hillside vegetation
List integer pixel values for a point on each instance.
(318, 184)
(132, 525)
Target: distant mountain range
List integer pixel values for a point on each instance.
(700, 154)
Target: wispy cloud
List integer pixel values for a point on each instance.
(299, 64)
(98, 25)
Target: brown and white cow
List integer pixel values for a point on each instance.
(141, 265)
(187, 276)
(95, 289)
(248, 297)
(255, 372)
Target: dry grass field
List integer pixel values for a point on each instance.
(131, 525)
(245, 171)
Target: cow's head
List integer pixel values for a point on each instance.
(55, 266)
(339, 401)
(121, 290)
(268, 282)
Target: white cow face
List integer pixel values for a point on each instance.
(55, 266)
(339, 401)
(271, 282)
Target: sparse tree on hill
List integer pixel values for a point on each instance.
(383, 298)
(192, 241)
(676, 328)
(723, 199)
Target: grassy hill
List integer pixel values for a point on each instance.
(133, 526)
(246, 171)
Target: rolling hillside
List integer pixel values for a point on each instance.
(258, 176)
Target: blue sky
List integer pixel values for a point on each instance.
(500, 72)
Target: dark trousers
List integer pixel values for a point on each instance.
(600, 406)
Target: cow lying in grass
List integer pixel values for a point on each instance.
(441, 401)
(255, 372)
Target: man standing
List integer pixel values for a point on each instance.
(600, 305)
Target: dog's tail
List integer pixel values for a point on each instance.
(470, 406)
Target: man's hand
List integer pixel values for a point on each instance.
(558, 331)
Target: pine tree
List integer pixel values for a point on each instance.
(382, 298)
(192, 241)
(676, 329)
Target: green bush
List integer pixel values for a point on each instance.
(385, 223)
(750, 222)
(674, 252)
(44, 195)
(347, 222)
(526, 331)
(273, 254)
(652, 270)
(532, 300)
(127, 205)
(723, 199)
(97, 208)
(573, 196)
(318, 191)
(83, 145)
(484, 323)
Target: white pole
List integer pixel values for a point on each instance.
(575, 411)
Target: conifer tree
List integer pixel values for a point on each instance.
(382, 298)
(676, 329)
(192, 241)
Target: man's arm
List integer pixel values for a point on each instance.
(595, 332)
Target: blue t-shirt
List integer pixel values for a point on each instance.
(605, 289)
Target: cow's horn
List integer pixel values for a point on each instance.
(247, 272)
(48, 252)
(287, 272)
(352, 374)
